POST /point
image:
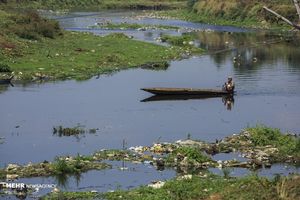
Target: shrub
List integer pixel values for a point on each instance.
(191, 3)
(177, 40)
(61, 167)
(4, 68)
(262, 135)
(31, 26)
(192, 153)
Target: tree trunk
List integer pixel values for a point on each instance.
(296, 3)
(282, 18)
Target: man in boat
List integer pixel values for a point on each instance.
(229, 85)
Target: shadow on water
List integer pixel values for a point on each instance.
(3, 88)
(227, 100)
(62, 180)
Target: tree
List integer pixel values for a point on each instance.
(295, 25)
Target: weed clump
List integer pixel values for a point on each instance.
(192, 154)
(75, 165)
(118, 35)
(62, 167)
(32, 26)
(61, 131)
(184, 40)
(4, 67)
(262, 136)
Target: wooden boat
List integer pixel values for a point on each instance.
(6, 81)
(187, 91)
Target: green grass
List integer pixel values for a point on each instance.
(97, 4)
(208, 18)
(4, 68)
(76, 166)
(193, 154)
(2, 174)
(185, 41)
(80, 56)
(178, 40)
(262, 136)
(35, 48)
(211, 187)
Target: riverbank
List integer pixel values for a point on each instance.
(96, 4)
(204, 186)
(207, 18)
(261, 146)
(33, 48)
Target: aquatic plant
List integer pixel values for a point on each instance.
(61, 166)
(61, 131)
(193, 154)
(262, 135)
(184, 40)
(2, 174)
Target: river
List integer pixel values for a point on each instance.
(267, 78)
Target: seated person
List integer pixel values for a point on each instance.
(229, 85)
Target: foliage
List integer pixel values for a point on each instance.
(29, 26)
(63, 166)
(191, 3)
(206, 17)
(212, 187)
(4, 67)
(2, 174)
(97, 4)
(82, 55)
(248, 10)
(177, 40)
(70, 55)
(192, 153)
(262, 135)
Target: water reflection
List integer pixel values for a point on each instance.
(227, 100)
(250, 51)
(4, 88)
(62, 180)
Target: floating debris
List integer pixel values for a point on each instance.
(156, 184)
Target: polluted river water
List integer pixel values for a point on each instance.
(267, 78)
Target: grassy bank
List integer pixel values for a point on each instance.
(236, 13)
(95, 4)
(33, 48)
(202, 187)
(81, 55)
(207, 18)
(247, 13)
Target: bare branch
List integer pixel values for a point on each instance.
(282, 18)
(296, 3)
